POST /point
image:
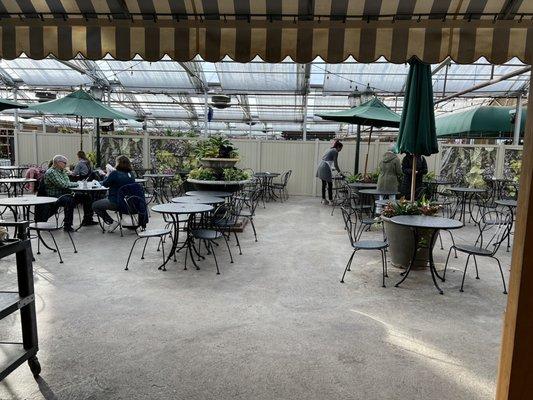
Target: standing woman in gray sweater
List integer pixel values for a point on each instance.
(325, 170)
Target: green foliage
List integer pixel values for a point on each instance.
(166, 161)
(404, 207)
(91, 156)
(214, 146)
(235, 174)
(371, 177)
(516, 167)
(202, 174)
(430, 177)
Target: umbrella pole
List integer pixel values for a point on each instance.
(357, 146)
(368, 149)
(413, 178)
(81, 133)
(98, 156)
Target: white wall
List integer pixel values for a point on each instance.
(260, 155)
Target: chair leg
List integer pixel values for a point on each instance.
(72, 241)
(131, 251)
(253, 227)
(348, 266)
(446, 265)
(214, 256)
(383, 266)
(144, 248)
(163, 249)
(501, 273)
(386, 267)
(464, 273)
(57, 248)
(440, 239)
(38, 243)
(475, 263)
(229, 250)
(238, 244)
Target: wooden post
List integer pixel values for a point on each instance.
(413, 179)
(368, 149)
(515, 375)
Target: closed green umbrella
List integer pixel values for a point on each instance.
(81, 104)
(417, 127)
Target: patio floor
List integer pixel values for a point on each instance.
(276, 324)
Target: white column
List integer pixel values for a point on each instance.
(304, 123)
(146, 148)
(44, 125)
(517, 120)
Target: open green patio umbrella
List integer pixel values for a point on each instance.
(7, 104)
(82, 104)
(417, 127)
(373, 113)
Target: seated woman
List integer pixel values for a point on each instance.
(83, 168)
(121, 176)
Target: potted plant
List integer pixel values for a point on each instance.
(401, 239)
(217, 158)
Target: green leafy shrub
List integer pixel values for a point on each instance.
(405, 207)
(235, 174)
(202, 174)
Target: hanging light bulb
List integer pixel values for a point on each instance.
(354, 98)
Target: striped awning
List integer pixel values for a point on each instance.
(273, 29)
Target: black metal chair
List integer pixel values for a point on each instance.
(56, 224)
(494, 228)
(229, 220)
(281, 187)
(350, 223)
(133, 214)
(208, 232)
(251, 200)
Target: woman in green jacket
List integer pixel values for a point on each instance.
(390, 172)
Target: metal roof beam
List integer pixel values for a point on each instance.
(194, 71)
(6, 78)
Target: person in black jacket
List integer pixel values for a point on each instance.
(407, 169)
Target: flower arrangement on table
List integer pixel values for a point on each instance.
(405, 207)
(371, 177)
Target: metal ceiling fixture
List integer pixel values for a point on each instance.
(220, 101)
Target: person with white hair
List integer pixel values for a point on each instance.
(390, 171)
(57, 184)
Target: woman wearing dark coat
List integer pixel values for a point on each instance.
(325, 170)
(407, 169)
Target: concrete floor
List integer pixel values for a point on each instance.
(277, 324)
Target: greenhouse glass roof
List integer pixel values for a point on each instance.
(276, 97)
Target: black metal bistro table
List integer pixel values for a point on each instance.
(94, 192)
(210, 200)
(363, 185)
(181, 213)
(380, 194)
(266, 184)
(15, 186)
(213, 193)
(464, 195)
(14, 171)
(416, 222)
(432, 187)
(159, 185)
(24, 203)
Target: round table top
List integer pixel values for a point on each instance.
(89, 189)
(467, 190)
(12, 167)
(376, 192)
(198, 200)
(266, 174)
(175, 208)
(362, 185)
(158, 175)
(439, 182)
(424, 221)
(17, 180)
(507, 202)
(26, 201)
(213, 193)
(502, 180)
(140, 180)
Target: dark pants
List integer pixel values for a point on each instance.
(330, 189)
(100, 207)
(69, 204)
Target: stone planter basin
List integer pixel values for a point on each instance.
(402, 242)
(218, 162)
(219, 186)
